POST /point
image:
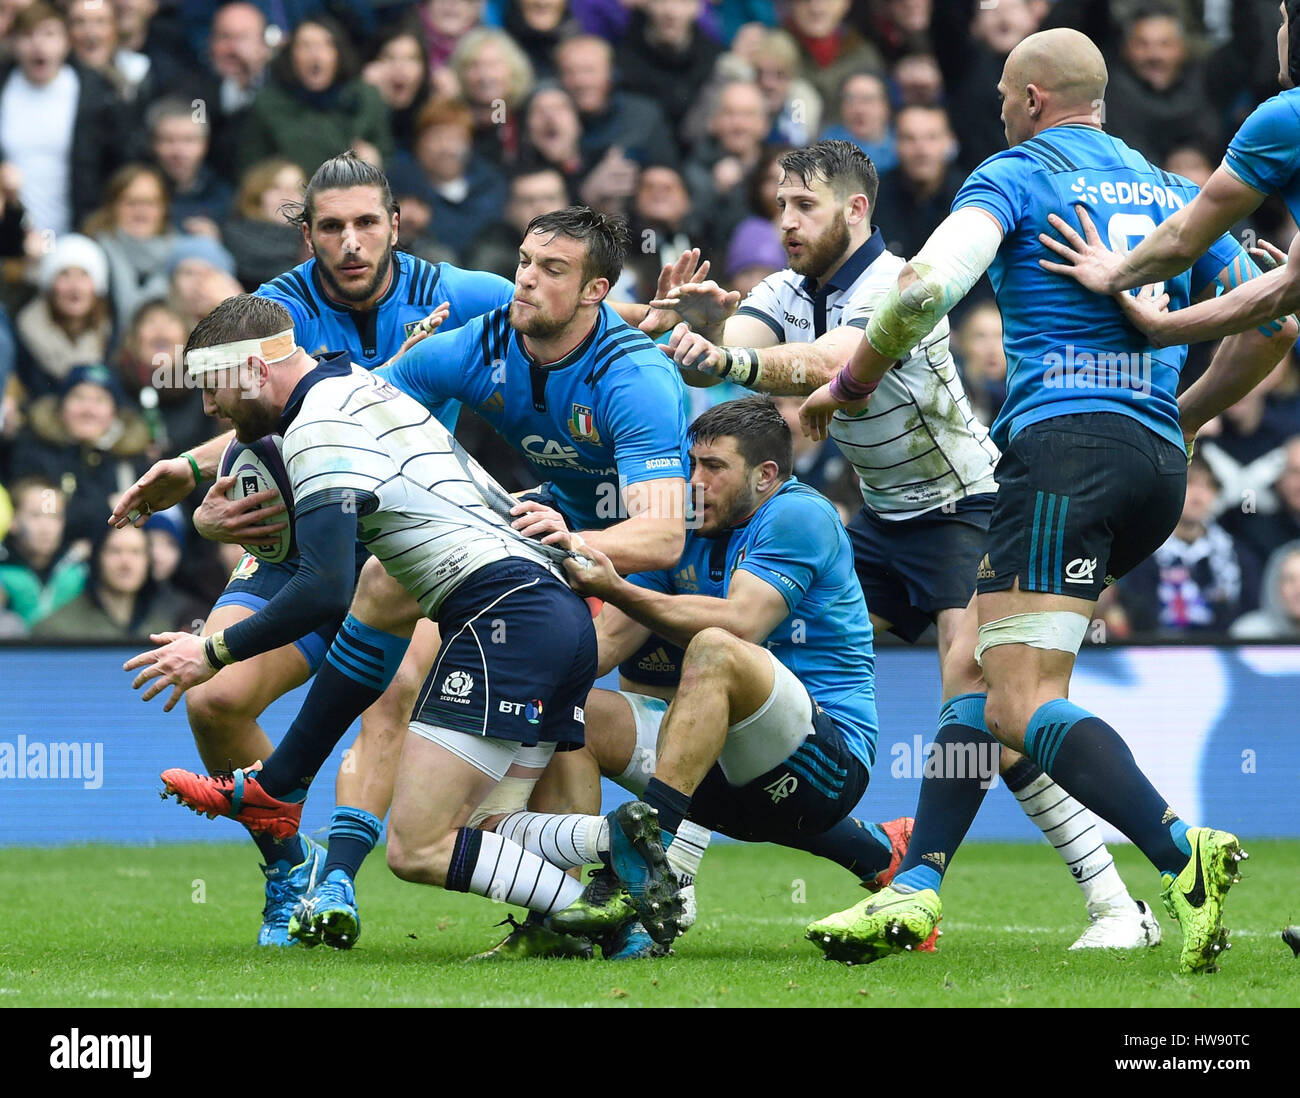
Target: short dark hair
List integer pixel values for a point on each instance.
(244, 316)
(842, 164)
(338, 173)
(347, 66)
(757, 425)
(606, 238)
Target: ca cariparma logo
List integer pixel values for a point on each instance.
(457, 686)
(582, 425)
(782, 787)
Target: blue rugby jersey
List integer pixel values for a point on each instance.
(1265, 153)
(796, 543)
(608, 414)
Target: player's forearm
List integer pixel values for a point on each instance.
(208, 455)
(794, 369)
(1256, 302)
(641, 544)
(678, 618)
(1240, 363)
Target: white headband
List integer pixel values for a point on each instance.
(227, 356)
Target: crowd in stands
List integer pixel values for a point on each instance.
(150, 151)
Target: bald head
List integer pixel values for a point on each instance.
(1051, 77)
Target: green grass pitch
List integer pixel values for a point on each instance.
(120, 926)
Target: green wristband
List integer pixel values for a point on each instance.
(198, 477)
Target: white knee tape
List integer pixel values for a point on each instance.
(1057, 629)
(647, 715)
(509, 795)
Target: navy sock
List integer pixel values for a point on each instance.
(1021, 774)
(353, 834)
(958, 773)
(358, 668)
(292, 850)
(671, 804)
(1090, 761)
(860, 847)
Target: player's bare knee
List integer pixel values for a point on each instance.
(416, 861)
(1006, 716)
(711, 652)
(218, 708)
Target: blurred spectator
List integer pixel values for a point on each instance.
(720, 166)
(1261, 532)
(831, 48)
(37, 575)
(495, 79)
(167, 531)
(240, 58)
(133, 226)
(792, 102)
(918, 81)
(399, 71)
(981, 360)
(92, 33)
(257, 234)
(154, 36)
(725, 18)
(918, 194)
(611, 117)
(972, 73)
(314, 105)
(1191, 161)
(69, 322)
(178, 141)
(87, 442)
(60, 124)
(1193, 582)
(120, 600)
(1157, 96)
(754, 253)
(445, 23)
(531, 194)
(200, 276)
(663, 225)
(821, 465)
(14, 232)
(903, 26)
(552, 136)
(666, 57)
(447, 194)
(150, 368)
(865, 119)
(1278, 616)
(537, 27)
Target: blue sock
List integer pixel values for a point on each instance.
(353, 834)
(1090, 761)
(358, 668)
(958, 772)
(671, 804)
(291, 850)
(860, 847)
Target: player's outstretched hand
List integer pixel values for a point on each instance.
(1268, 256)
(691, 351)
(165, 484)
(1087, 260)
(1146, 311)
(178, 662)
(816, 412)
(240, 521)
(702, 305)
(423, 328)
(536, 520)
(688, 270)
(593, 575)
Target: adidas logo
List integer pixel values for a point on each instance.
(936, 858)
(1169, 817)
(656, 661)
(686, 579)
(985, 571)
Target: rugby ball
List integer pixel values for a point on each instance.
(257, 466)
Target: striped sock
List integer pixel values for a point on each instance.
(488, 865)
(1071, 829)
(565, 840)
(353, 834)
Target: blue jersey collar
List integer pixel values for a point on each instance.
(851, 268)
(335, 364)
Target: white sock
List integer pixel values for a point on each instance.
(1073, 831)
(686, 850)
(505, 871)
(567, 840)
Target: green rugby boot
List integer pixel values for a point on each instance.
(888, 922)
(1195, 896)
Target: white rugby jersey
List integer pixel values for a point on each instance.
(356, 441)
(918, 445)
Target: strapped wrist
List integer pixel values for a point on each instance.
(740, 365)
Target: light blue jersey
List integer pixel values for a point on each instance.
(1070, 351)
(608, 414)
(796, 543)
(372, 336)
(1265, 153)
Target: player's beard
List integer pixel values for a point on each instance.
(255, 419)
(821, 254)
(742, 505)
(538, 326)
(337, 290)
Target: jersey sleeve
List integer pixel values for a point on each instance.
(797, 541)
(647, 425)
(661, 581)
(999, 186)
(763, 303)
(302, 317)
(434, 370)
(1265, 153)
(473, 293)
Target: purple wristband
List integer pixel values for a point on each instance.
(846, 389)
